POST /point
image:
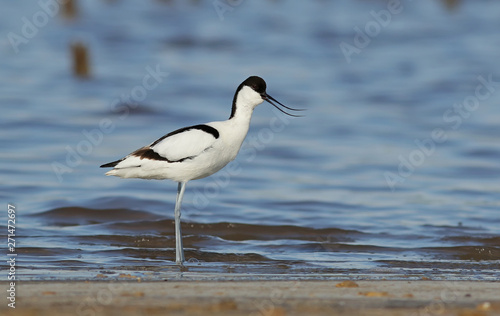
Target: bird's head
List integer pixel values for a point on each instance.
(252, 92)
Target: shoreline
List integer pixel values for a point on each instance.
(135, 297)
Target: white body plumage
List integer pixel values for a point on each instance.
(194, 152)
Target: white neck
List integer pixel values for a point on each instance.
(246, 101)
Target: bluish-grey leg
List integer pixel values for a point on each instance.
(179, 251)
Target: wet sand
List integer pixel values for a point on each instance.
(133, 297)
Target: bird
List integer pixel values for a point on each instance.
(197, 151)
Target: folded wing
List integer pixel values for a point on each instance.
(185, 143)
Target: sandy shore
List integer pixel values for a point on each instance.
(267, 298)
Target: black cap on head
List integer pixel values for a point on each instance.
(256, 83)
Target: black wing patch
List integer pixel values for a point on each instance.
(203, 127)
(111, 164)
(148, 153)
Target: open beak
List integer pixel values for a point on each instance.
(270, 99)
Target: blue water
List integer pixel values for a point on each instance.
(393, 172)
